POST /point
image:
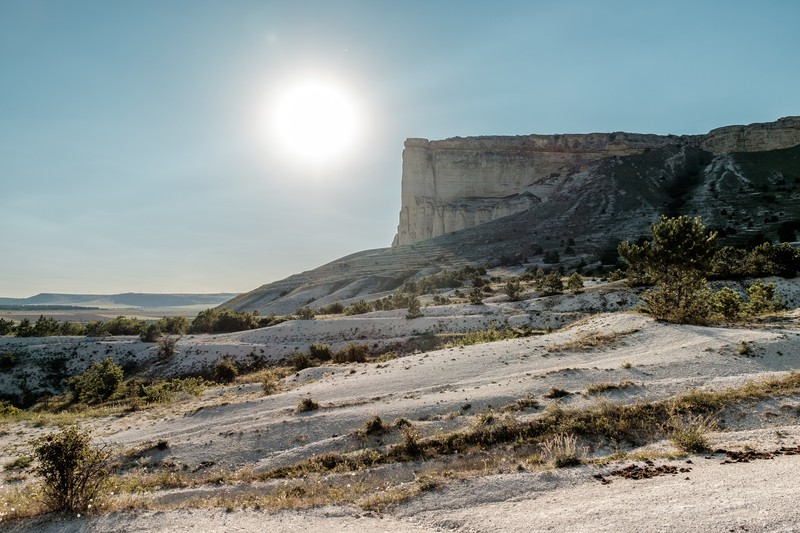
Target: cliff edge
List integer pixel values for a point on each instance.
(458, 183)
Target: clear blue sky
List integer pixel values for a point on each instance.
(131, 157)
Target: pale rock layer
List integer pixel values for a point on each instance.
(457, 183)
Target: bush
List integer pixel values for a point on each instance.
(8, 360)
(352, 353)
(549, 284)
(335, 308)
(98, 382)
(551, 257)
(727, 303)
(305, 313)
(476, 296)
(762, 299)
(73, 471)
(8, 410)
(575, 282)
(677, 260)
(413, 309)
(320, 351)
(167, 346)
(225, 370)
(358, 308)
(300, 361)
(306, 405)
(6, 327)
(151, 333)
(513, 290)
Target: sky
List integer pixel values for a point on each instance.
(139, 149)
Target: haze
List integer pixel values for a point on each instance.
(132, 146)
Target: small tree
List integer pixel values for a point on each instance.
(6, 326)
(151, 333)
(728, 303)
(74, 472)
(98, 382)
(677, 260)
(476, 296)
(414, 310)
(575, 282)
(225, 370)
(762, 299)
(513, 290)
(552, 284)
(320, 351)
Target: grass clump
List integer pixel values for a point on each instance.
(745, 348)
(561, 451)
(591, 340)
(597, 388)
(555, 393)
(691, 437)
(374, 426)
(306, 405)
(489, 335)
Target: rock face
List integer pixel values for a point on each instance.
(508, 200)
(459, 183)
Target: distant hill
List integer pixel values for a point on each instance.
(128, 299)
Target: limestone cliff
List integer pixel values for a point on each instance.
(458, 183)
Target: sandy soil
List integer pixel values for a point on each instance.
(235, 427)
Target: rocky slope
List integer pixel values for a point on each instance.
(509, 199)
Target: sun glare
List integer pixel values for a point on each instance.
(315, 121)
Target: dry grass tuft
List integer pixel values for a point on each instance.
(561, 451)
(591, 340)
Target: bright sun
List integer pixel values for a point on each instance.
(315, 120)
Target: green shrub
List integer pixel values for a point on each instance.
(414, 310)
(677, 260)
(320, 351)
(305, 313)
(358, 308)
(575, 282)
(6, 327)
(476, 296)
(335, 308)
(8, 360)
(352, 353)
(98, 382)
(727, 303)
(74, 472)
(8, 410)
(300, 361)
(762, 299)
(151, 333)
(513, 290)
(163, 391)
(225, 370)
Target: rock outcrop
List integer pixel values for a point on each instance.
(458, 183)
(508, 200)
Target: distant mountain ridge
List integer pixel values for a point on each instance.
(128, 299)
